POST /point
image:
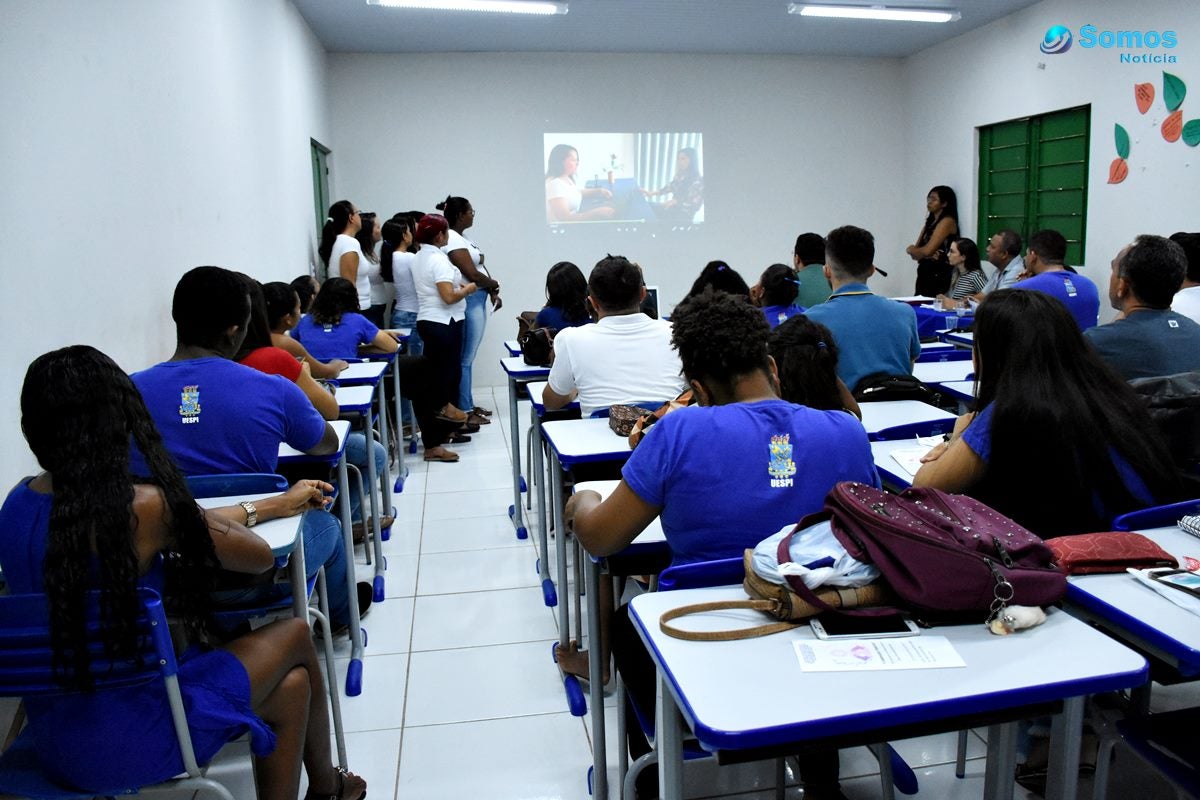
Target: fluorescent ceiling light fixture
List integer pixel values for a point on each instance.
(500, 6)
(874, 12)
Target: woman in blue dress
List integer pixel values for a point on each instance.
(84, 523)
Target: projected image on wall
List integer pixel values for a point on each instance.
(651, 178)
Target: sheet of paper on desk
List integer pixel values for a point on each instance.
(871, 655)
(909, 458)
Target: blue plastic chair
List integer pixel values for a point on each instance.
(1156, 516)
(26, 669)
(933, 427)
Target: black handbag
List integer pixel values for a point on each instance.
(537, 347)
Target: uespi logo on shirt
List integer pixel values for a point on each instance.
(781, 467)
(189, 404)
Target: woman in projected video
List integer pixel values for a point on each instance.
(686, 190)
(563, 197)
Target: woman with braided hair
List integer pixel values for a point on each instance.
(85, 523)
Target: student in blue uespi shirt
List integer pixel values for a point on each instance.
(723, 475)
(776, 293)
(335, 328)
(1062, 445)
(875, 335)
(566, 291)
(1044, 260)
(217, 416)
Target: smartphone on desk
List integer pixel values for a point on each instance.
(842, 626)
(1181, 579)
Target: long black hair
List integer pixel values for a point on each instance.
(281, 301)
(78, 413)
(337, 297)
(1060, 417)
(335, 223)
(969, 251)
(566, 290)
(720, 338)
(393, 235)
(807, 358)
(258, 332)
(366, 236)
(453, 208)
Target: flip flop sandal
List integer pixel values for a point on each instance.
(476, 419)
(446, 457)
(458, 438)
(483, 412)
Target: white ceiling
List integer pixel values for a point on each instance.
(640, 26)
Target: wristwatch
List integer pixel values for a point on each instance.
(251, 513)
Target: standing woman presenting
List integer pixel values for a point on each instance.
(932, 246)
(341, 251)
(441, 300)
(465, 255)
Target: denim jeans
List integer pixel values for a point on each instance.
(323, 547)
(473, 328)
(356, 454)
(413, 347)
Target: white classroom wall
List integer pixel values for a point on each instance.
(790, 145)
(142, 138)
(998, 73)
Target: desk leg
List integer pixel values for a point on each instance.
(1001, 761)
(576, 702)
(373, 527)
(401, 467)
(299, 577)
(385, 491)
(354, 671)
(1062, 777)
(669, 743)
(539, 470)
(596, 680)
(514, 433)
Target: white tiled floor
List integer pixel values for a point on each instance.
(461, 698)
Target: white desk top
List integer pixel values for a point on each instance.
(1150, 619)
(281, 534)
(535, 398)
(578, 440)
(369, 371)
(653, 534)
(934, 347)
(964, 390)
(355, 398)
(889, 468)
(890, 413)
(955, 337)
(915, 299)
(288, 453)
(940, 371)
(515, 367)
(752, 693)
(513, 347)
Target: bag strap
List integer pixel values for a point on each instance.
(770, 606)
(797, 585)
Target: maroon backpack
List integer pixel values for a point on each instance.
(945, 556)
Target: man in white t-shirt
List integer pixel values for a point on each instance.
(1187, 299)
(625, 357)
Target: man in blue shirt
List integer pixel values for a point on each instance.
(1150, 340)
(874, 335)
(1044, 260)
(217, 416)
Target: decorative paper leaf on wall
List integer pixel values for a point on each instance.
(1174, 90)
(1118, 170)
(1191, 133)
(1143, 93)
(1122, 141)
(1172, 126)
